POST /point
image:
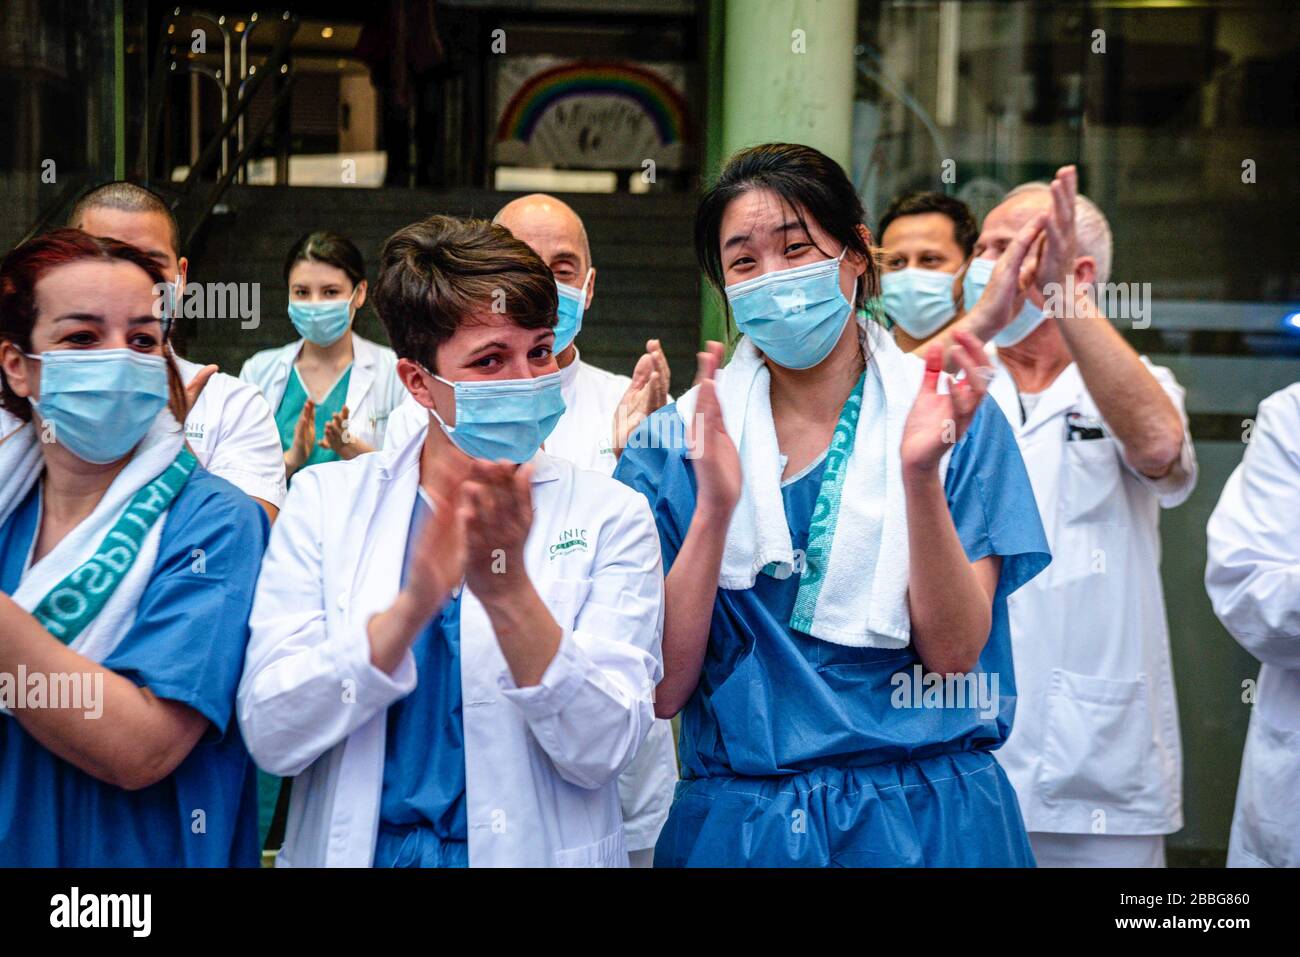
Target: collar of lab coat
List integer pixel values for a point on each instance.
(1064, 392)
(569, 374)
(365, 354)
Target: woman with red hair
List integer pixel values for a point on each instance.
(126, 579)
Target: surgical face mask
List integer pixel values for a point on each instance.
(100, 402)
(171, 305)
(572, 303)
(919, 300)
(323, 323)
(794, 316)
(1026, 321)
(503, 419)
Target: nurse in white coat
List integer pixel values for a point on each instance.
(1094, 755)
(455, 656)
(331, 390)
(600, 410)
(228, 426)
(1253, 579)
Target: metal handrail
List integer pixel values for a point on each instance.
(245, 70)
(234, 108)
(275, 62)
(219, 188)
(222, 75)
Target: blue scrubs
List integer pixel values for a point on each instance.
(186, 644)
(422, 816)
(796, 751)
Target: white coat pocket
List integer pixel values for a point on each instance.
(609, 851)
(1099, 745)
(1091, 483)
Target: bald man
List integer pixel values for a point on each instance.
(601, 410)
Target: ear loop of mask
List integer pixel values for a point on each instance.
(353, 295)
(432, 410)
(173, 308)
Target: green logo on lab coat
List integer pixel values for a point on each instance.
(571, 540)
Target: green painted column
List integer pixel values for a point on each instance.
(778, 71)
(788, 74)
(713, 319)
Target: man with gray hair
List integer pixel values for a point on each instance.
(1094, 754)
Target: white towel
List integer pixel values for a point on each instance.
(861, 599)
(21, 465)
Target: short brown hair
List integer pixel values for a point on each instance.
(436, 274)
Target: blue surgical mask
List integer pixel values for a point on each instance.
(323, 323)
(171, 305)
(918, 300)
(572, 302)
(794, 316)
(1026, 321)
(503, 419)
(100, 402)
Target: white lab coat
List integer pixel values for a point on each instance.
(1253, 579)
(233, 434)
(584, 436)
(373, 387)
(1095, 746)
(540, 762)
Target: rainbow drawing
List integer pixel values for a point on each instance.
(662, 102)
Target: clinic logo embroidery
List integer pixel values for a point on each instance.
(571, 540)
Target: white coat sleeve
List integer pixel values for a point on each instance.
(308, 679)
(595, 703)
(1174, 487)
(247, 451)
(1252, 572)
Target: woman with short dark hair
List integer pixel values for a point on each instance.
(456, 640)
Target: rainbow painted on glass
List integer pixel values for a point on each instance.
(656, 96)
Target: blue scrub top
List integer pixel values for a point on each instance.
(794, 750)
(422, 815)
(186, 644)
